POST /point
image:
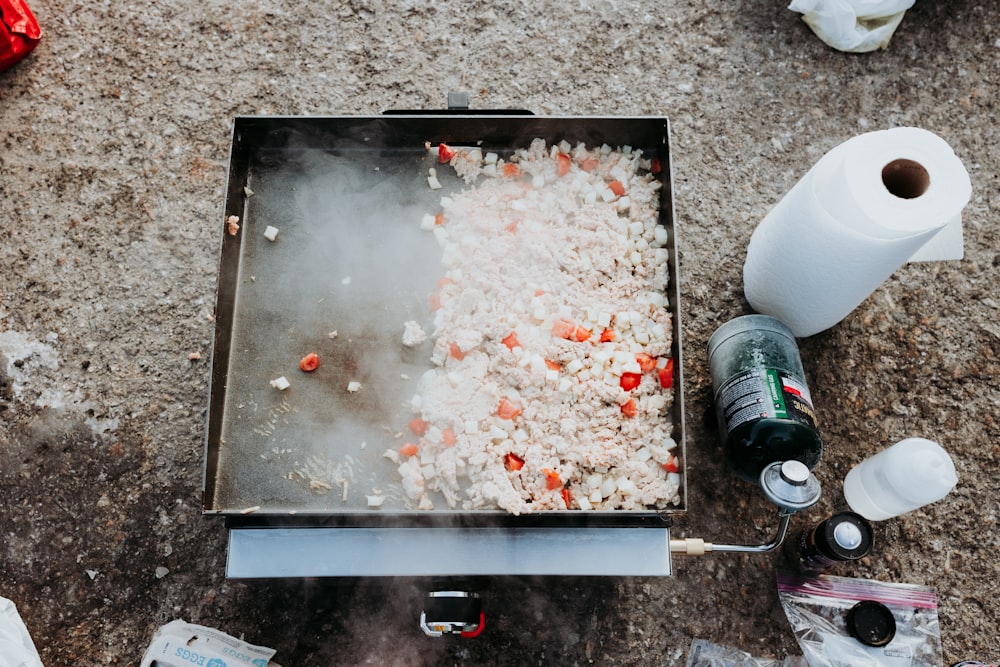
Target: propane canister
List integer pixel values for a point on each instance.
(762, 401)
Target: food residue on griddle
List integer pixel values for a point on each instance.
(413, 333)
(309, 363)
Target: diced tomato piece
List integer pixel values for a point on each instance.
(567, 497)
(608, 336)
(646, 362)
(562, 164)
(617, 188)
(512, 227)
(445, 281)
(630, 381)
(439, 219)
(539, 292)
(511, 341)
(552, 365)
(508, 409)
(409, 449)
(581, 334)
(456, 352)
(667, 374)
(563, 329)
(629, 408)
(418, 426)
(310, 362)
(590, 164)
(513, 462)
(511, 169)
(654, 166)
(552, 481)
(448, 437)
(671, 464)
(434, 301)
(445, 153)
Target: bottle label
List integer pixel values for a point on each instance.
(764, 393)
(810, 558)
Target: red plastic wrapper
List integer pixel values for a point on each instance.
(19, 32)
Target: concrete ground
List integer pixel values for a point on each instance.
(114, 138)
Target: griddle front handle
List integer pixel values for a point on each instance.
(458, 105)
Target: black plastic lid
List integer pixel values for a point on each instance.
(871, 623)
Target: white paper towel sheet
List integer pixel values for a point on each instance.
(860, 213)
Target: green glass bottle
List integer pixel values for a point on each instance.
(762, 402)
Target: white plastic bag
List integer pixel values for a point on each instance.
(855, 26)
(16, 647)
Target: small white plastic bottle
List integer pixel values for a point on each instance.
(901, 478)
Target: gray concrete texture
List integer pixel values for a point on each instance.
(115, 135)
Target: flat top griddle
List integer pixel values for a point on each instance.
(347, 196)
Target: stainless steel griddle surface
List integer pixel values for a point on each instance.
(348, 267)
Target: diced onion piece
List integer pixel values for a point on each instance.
(281, 383)
(271, 233)
(433, 183)
(353, 386)
(627, 486)
(375, 501)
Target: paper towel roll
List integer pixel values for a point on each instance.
(864, 209)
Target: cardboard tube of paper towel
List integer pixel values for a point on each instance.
(859, 214)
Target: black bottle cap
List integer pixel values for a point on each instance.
(871, 623)
(846, 536)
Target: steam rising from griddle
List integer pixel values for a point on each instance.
(351, 259)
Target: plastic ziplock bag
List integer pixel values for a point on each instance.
(182, 644)
(707, 654)
(854, 26)
(19, 32)
(817, 610)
